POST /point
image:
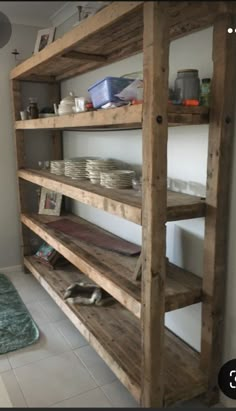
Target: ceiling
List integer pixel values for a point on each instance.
(38, 13)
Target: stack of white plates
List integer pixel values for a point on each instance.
(117, 179)
(57, 167)
(75, 168)
(95, 167)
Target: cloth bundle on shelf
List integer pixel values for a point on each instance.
(87, 294)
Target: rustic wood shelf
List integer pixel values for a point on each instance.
(122, 203)
(113, 34)
(115, 335)
(121, 118)
(112, 271)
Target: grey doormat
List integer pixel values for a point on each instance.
(17, 328)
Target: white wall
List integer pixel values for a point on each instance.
(23, 38)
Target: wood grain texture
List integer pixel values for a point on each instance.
(105, 18)
(218, 181)
(123, 203)
(138, 268)
(56, 135)
(114, 33)
(115, 335)
(73, 54)
(189, 16)
(19, 148)
(121, 117)
(154, 200)
(37, 78)
(112, 271)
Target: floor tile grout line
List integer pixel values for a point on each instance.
(84, 392)
(41, 359)
(86, 341)
(52, 320)
(123, 386)
(77, 395)
(20, 388)
(1, 372)
(89, 369)
(113, 405)
(39, 301)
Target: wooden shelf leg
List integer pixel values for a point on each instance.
(138, 269)
(57, 146)
(20, 159)
(218, 183)
(154, 214)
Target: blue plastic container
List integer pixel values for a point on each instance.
(104, 91)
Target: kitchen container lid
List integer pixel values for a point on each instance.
(187, 70)
(206, 80)
(69, 99)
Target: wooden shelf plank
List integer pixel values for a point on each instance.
(95, 37)
(112, 271)
(107, 18)
(124, 117)
(115, 335)
(122, 203)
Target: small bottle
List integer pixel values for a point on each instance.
(205, 92)
(32, 109)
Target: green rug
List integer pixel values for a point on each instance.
(17, 328)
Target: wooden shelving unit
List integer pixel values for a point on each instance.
(130, 335)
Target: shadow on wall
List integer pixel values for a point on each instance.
(185, 248)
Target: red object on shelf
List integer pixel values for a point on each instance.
(190, 102)
(137, 102)
(89, 106)
(95, 236)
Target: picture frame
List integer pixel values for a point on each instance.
(44, 38)
(50, 202)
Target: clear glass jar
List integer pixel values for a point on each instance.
(187, 85)
(137, 184)
(32, 109)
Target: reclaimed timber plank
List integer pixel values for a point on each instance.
(19, 148)
(113, 271)
(106, 17)
(106, 32)
(56, 135)
(73, 54)
(123, 203)
(154, 200)
(121, 117)
(221, 134)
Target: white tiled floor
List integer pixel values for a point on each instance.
(61, 369)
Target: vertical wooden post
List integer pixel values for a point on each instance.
(218, 183)
(20, 162)
(54, 97)
(154, 201)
